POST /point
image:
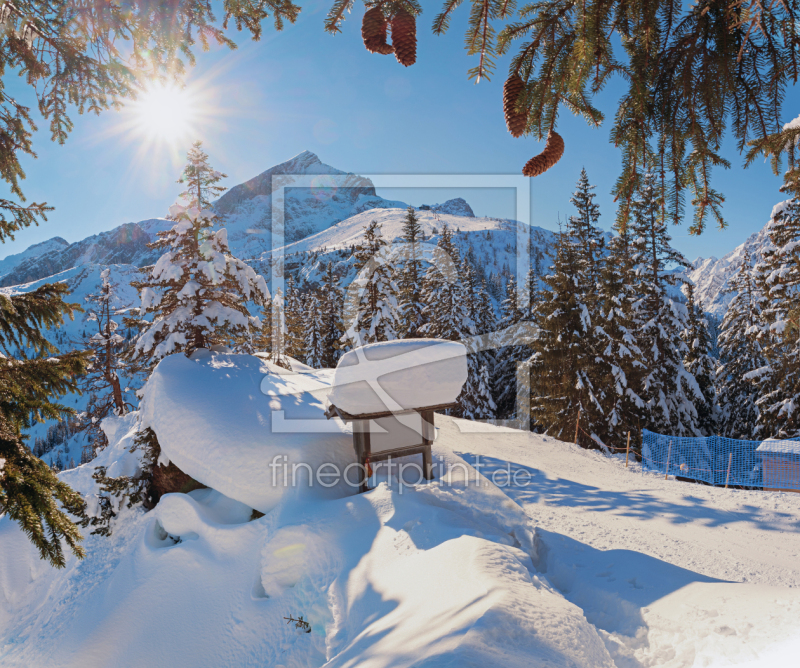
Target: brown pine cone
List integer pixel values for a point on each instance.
(404, 38)
(373, 30)
(516, 121)
(553, 150)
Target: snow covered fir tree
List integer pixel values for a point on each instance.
(104, 378)
(196, 294)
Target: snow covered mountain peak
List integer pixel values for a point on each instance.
(265, 183)
(11, 262)
(246, 209)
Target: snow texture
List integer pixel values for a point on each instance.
(399, 375)
(622, 570)
(216, 417)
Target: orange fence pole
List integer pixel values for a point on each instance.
(728, 477)
(669, 453)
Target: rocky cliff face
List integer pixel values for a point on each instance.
(455, 207)
(321, 197)
(10, 263)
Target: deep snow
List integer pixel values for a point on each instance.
(621, 569)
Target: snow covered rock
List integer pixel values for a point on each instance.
(232, 425)
(455, 207)
(398, 375)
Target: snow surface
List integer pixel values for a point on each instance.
(399, 375)
(622, 569)
(779, 447)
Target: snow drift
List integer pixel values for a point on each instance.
(400, 576)
(233, 423)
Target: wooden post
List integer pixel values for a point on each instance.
(428, 434)
(669, 453)
(577, 422)
(628, 450)
(728, 477)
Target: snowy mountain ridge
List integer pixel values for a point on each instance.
(246, 209)
(11, 262)
(711, 275)
(126, 244)
(491, 243)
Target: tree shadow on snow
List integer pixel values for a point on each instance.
(636, 503)
(610, 586)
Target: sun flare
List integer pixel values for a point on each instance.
(165, 113)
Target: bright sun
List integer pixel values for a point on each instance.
(165, 113)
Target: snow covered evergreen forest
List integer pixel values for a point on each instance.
(195, 352)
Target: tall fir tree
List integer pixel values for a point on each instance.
(668, 388)
(568, 380)
(331, 304)
(583, 375)
(410, 276)
(779, 279)
(103, 382)
(740, 355)
(561, 385)
(582, 228)
(701, 364)
(619, 357)
(197, 292)
(295, 340)
(371, 310)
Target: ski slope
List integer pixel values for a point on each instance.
(582, 563)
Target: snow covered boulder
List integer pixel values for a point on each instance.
(399, 375)
(252, 435)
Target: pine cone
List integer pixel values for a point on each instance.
(404, 38)
(515, 121)
(373, 30)
(553, 150)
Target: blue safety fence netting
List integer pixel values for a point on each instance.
(717, 460)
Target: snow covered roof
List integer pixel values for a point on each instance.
(779, 447)
(399, 375)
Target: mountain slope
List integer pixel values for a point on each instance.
(711, 275)
(126, 244)
(491, 243)
(11, 262)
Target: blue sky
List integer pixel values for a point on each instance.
(304, 89)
